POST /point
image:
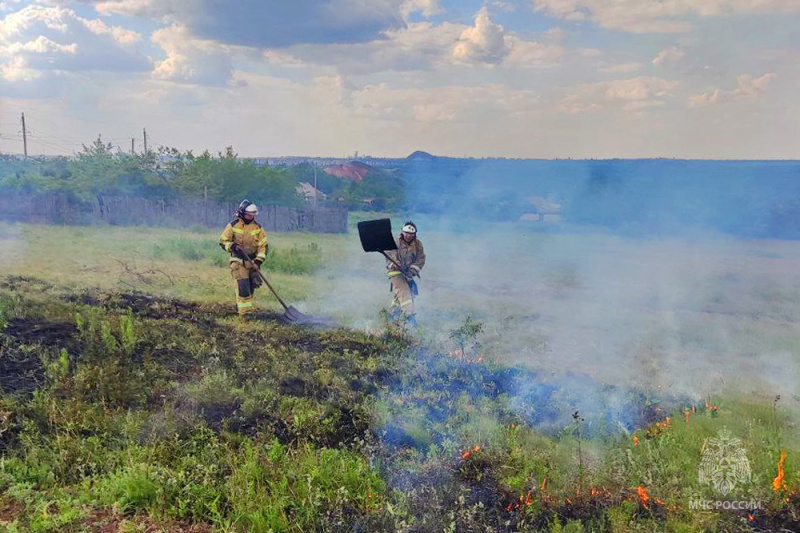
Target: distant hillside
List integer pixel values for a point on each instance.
(353, 171)
(419, 154)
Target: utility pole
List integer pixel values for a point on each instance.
(24, 137)
(133, 152)
(315, 185)
(144, 131)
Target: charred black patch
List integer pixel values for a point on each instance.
(349, 427)
(783, 518)
(21, 370)
(16, 283)
(397, 436)
(216, 415)
(21, 367)
(44, 332)
(295, 386)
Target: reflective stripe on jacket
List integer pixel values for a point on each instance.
(410, 255)
(250, 237)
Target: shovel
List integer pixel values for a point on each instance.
(376, 236)
(291, 314)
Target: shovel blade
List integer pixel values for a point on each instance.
(296, 317)
(376, 235)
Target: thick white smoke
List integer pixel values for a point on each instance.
(690, 315)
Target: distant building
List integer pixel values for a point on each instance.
(309, 192)
(543, 210)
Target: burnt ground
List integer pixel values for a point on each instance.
(177, 342)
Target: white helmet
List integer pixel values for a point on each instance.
(410, 228)
(251, 209)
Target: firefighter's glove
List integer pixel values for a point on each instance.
(236, 250)
(255, 280)
(258, 262)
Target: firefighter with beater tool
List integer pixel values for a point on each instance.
(405, 263)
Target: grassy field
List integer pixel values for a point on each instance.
(134, 400)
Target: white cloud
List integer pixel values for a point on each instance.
(633, 94)
(423, 46)
(529, 53)
(276, 23)
(589, 52)
(503, 5)
(747, 88)
(443, 104)
(669, 55)
(16, 71)
(487, 43)
(427, 8)
(656, 16)
(622, 68)
(191, 60)
(418, 46)
(482, 43)
(37, 41)
(640, 105)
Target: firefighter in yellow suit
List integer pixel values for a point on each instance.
(410, 256)
(243, 236)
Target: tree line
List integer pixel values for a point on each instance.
(100, 169)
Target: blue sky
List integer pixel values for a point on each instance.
(510, 78)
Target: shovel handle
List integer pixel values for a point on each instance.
(395, 262)
(392, 260)
(249, 264)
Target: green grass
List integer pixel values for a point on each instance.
(137, 413)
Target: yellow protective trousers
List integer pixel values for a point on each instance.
(243, 288)
(403, 298)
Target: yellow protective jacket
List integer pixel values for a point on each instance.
(410, 256)
(250, 237)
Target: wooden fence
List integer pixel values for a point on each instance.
(59, 208)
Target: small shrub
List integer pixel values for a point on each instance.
(4, 305)
(466, 335)
(133, 488)
(294, 260)
(186, 249)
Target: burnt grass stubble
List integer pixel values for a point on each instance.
(177, 340)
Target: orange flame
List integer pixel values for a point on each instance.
(466, 454)
(529, 498)
(635, 441)
(777, 483)
(688, 413)
(543, 487)
(644, 497)
(751, 517)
